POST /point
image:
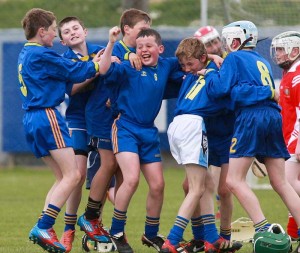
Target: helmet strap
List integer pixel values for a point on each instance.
(245, 42)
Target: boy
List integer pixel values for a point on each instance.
(135, 138)
(258, 126)
(103, 102)
(219, 131)
(285, 52)
(43, 75)
(73, 34)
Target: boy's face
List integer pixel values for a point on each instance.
(192, 65)
(214, 47)
(148, 50)
(47, 36)
(132, 32)
(73, 34)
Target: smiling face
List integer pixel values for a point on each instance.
(72, 33)
(191, 65)
(149, 50)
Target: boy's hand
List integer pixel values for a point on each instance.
(97, 57)
(114, 34)
(135, 61)
(216, 59)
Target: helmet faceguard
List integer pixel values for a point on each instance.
(243, 30)
(286, 42)
(206, 34)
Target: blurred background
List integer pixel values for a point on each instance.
(174, 19)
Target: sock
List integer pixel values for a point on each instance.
(118, 222)
(41, 215)
(92, 210)
(225, 233)
(262, 226)
(70, 221)
(210, 229)
(49, 217)
(176, 233)
(292, 227)
(151, 227)
(198, 228)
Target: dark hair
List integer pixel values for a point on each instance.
(67, 20)
(131, 17)
(150, 32)
(34, 19)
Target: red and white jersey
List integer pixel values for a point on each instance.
(290, 101)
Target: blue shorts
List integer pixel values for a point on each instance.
(79, 138)
(45, 130)
(93, 165)
(258, 133)
(144, 141)
(219, 135)
(100, 143)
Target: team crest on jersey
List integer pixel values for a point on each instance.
(144, 73)
(286, 91)
(155, 77)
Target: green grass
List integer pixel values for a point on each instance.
(22, 193)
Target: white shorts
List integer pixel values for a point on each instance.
(292, 158)
(188, 140)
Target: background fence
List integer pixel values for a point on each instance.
(174, 19)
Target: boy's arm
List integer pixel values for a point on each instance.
(105, 61)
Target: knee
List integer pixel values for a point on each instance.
(157, 188)
(185, 187)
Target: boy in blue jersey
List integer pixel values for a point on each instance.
(188, 143)
(258, 126)
(101, 111)
(43, 77)
(73, 35)
(135, 138)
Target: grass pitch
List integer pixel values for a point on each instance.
(23, 190)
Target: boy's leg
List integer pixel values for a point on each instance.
(196, 177)
(89, 221)
(63, 164)
(129, 164)
(153, 174)
(226, 204)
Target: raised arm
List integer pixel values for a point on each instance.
(105, 61)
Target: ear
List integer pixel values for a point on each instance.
(295, 52)
(235, 44)
(126, 28)
(41, 32)
(161, 49)
(85, 32)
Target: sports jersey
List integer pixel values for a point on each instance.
(194, 98)
(101, 107)
(246, 85)
(290, 101)
(43, 75)
(141, 92)
(75, 113)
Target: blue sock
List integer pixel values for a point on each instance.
(176, 233)
(151, 227)
(49, 217)
(210, 229)
(198, 228)
(225, 233)
(118, 222)
(70, 221)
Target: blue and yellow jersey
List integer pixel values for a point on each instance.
(75, 114)
(141, 92)
(246, 77)
(43, 75)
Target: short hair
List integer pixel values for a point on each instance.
(36, 18)
(150, 32)
(190, 47)
(67, 20)
(131, 17)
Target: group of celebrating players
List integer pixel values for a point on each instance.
(228, 112)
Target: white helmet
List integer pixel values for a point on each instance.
(244, 30)
(206, 34)
(287, 41)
